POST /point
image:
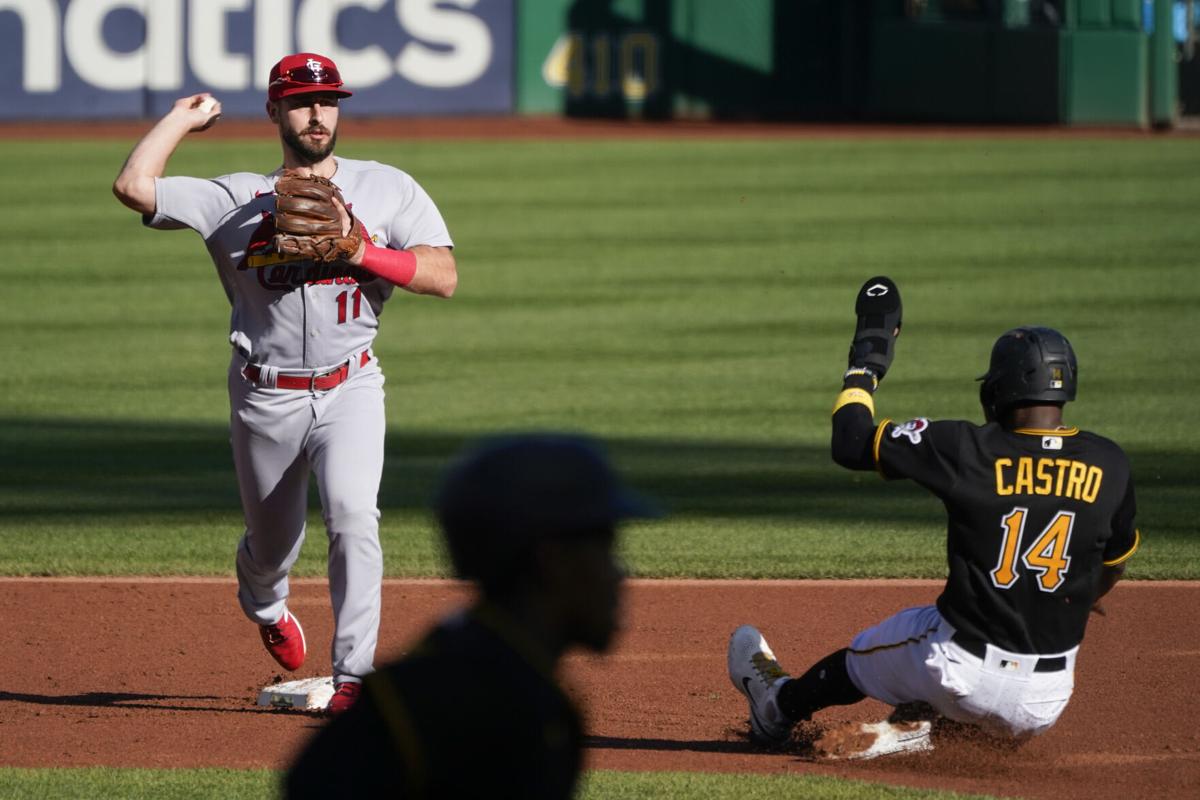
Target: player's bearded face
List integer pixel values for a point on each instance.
(310, 130)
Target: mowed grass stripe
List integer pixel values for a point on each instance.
(193, 784)
(687, 301)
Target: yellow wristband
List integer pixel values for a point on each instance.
(849, 396)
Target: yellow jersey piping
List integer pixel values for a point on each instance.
(1137, 540)
(875, 446)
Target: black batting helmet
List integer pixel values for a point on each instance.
(1028, 365)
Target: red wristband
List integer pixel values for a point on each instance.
(397, 266)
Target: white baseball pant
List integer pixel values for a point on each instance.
(912, 656)
(279, 436)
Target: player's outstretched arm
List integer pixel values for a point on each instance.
(852, 444)
(422, 269)
(437, 271)
(134, 185)
(879, 316)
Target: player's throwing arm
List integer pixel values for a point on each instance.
(307, 252)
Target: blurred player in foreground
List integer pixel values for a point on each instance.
(1040, 523)
(474, 709)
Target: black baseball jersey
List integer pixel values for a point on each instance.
(473, 711)
(1034, 515)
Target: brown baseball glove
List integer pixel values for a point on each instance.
(307, 221)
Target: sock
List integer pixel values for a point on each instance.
(827, 683)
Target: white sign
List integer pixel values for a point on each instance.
(451, 46)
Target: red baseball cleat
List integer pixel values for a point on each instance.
(345, 694)
(285, 641)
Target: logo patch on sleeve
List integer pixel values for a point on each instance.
(912, 429)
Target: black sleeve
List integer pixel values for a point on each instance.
(1125, 538)
(926, 452)
(853, 437)
(852, 445)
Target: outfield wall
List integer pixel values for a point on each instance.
(1068, 61)
(133, 58)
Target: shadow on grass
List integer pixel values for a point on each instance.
(90, 467)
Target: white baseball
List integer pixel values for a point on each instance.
(207, 104)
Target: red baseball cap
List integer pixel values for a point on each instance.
(304, 72)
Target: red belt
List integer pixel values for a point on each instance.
(312, 383)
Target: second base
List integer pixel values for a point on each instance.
(309, 694)
(862, 740)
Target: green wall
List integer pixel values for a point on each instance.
(1107, 77)
(664, 58)
(1099, 62)
(541, 69)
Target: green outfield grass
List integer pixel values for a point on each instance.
(148, 784)
(688, 301)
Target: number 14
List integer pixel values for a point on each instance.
(1047, 555)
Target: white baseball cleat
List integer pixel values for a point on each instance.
(756, 673)
(864, 740)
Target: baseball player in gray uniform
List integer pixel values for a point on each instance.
(305, 389)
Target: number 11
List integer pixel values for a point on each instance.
(341, 303)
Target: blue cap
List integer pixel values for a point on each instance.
(507, 492)
(541, 480)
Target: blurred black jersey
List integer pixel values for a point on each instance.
(473, 711)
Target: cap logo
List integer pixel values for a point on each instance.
(316, 68)
(876, 290)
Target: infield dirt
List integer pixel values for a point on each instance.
(165, 672)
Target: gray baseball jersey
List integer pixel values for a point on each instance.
(296, 317)
(290, 313)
